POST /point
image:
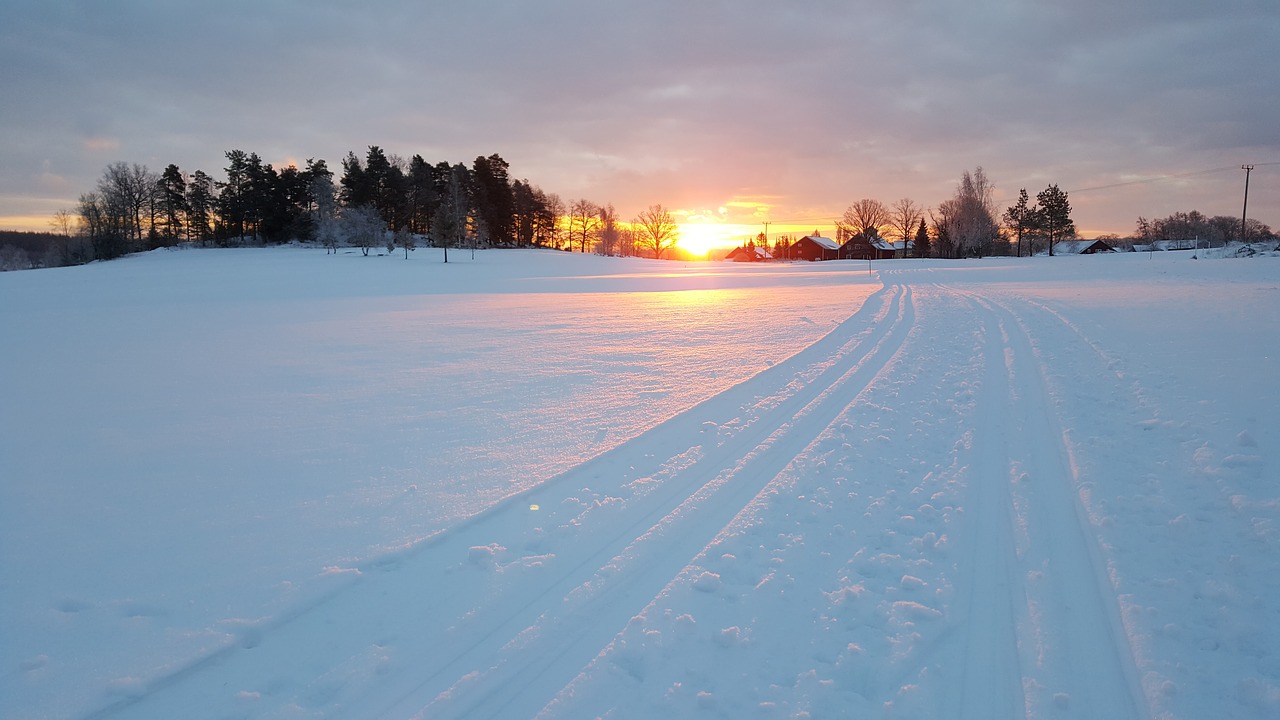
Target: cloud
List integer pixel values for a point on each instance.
(811, 104)
(101, 144)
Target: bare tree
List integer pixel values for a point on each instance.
(548, 228)
(626, 241)
(67, 249)
(657, 230)
(904, 216)
(125, 190)
(61, 222)
(584, 223)
(610, 231)
(944, 220)
(862, 217)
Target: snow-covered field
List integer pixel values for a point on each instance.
(282, 484)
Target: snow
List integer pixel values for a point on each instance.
(279, 483)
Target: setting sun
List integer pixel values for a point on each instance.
(699, 238)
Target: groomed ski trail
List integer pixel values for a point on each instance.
(532, 595)
(1042, 611)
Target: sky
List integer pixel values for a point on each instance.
(729, 113)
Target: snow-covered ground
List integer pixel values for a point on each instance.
(279, 483)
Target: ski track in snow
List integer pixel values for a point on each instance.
(530, 596)
(1068, 628)
(541, 591)
(1008, 615)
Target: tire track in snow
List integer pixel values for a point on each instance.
(491, 618)
(1075, 657)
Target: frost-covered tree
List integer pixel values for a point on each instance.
(966, 223)
(363, 227)
(405, 241)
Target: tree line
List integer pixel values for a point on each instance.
(133, 208)
(385, 200)
(971, 224)
(1195, 227)
(968, 224)
(378, 199)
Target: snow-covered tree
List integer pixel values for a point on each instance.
(363, 227)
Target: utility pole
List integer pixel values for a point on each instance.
(1244, 216)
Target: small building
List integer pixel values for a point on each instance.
(864, 247)
(1081, 247)
(814, 247)
(1170, 245)
(749, 253)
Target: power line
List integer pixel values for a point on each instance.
(1146, 181)
(1158, 178)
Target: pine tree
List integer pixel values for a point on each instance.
(494, 200)
(922, 240)
(1021, 217)
(356, 189)
(200, 207)
(173, 201)
(384, 182)
(233, 196)
(1055, 215)
(421, 196)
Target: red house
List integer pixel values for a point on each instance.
(862, 247)
(815, 247)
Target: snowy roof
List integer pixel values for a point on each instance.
(827, 243)
(757, 253)
(1074, 247)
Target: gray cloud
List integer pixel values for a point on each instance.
(813, 104)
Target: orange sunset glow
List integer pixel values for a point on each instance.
(700, 238)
